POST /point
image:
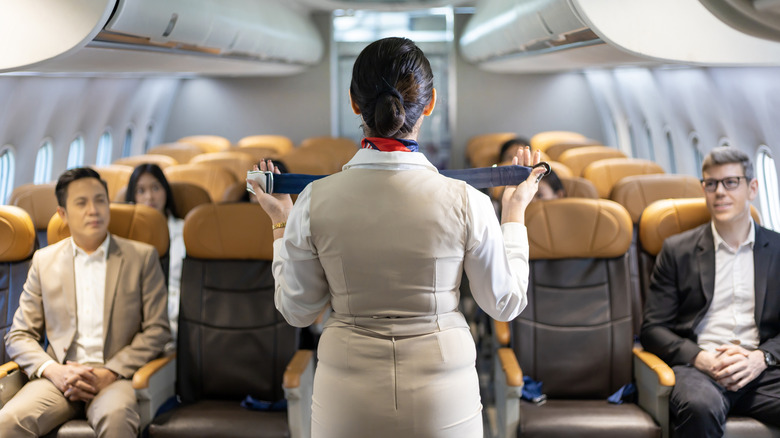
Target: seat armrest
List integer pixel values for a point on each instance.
(508, 385)
(654, 380)
(11, 381)
(298, 384)
(154, 383)
(501, 332)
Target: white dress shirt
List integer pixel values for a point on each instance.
(731, 315)
(491, 261)
(89, 271)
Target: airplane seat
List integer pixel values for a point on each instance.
(278, 143)
(604, 174)
(310, 161)
(543, 140)
(116, 176)
(577, 159)
(555, 149)
(40, 202)
(575, 334)
(236, 161)
(258, 152)
(179, 151)
(162, 161)
(636, 192)
(214, 179)
(483, 150)
(578, 187)
(232, 341)
(660, 220)
(209, 143)
(560, 169)
(17, 244)
(341, 149)
(154, 382)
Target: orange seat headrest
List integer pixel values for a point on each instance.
(17, 234)
(239, 231)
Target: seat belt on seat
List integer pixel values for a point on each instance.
(480, 178)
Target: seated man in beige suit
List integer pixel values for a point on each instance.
(101, 302)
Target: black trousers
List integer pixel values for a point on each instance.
(699, 406)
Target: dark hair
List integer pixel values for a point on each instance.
(392, 82)
(70, 175)
(517, 141)
(555, 183)
(157, 173)
(728, 155)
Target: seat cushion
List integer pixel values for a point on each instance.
(217, 418)
(739, 427)
(585, 419)
(72, 429)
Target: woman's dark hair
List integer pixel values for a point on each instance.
(555, 183)
(517, 141)
(157, 173)
(392, 82)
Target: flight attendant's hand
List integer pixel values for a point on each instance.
(516, 198)
(277, 205)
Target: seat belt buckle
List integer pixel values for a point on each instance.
(263, 178)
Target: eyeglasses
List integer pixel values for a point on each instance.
(729, 183)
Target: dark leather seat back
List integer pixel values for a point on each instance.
(575, 335)
(17, 242)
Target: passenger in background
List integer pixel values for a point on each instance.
(510, 147)
(369, 241)
(99, 300)
(713, 313)
(148, 186)
(550, 187)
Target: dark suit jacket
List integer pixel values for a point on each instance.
(681, 289)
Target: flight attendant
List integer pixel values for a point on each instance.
(384, 242)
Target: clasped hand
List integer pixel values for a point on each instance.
(276, 205)
(516, 198)
(79, 382)
(731, 366)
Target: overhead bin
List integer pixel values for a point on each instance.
(548, 35)
(234, 37)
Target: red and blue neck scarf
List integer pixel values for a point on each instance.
(389, 144)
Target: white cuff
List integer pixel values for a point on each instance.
(39, 373)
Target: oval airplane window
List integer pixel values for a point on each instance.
(7, 167)
(768, 193)
(649, 142)
(43, 163)
(693, 139)
(632, 140)
(670, 151)
(76, 153)
(148, 139)
(127, 146)
(105, 146)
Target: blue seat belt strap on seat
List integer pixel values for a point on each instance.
(480, 178)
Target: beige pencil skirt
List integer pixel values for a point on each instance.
(370, 386)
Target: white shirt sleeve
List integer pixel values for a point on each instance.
(302, 290)
(496, 260)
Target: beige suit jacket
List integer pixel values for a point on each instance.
(135, 317)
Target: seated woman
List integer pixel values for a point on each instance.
(148, 186)
(510, 147)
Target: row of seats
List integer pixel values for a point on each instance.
(231, 343)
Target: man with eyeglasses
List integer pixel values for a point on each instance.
(713, 309)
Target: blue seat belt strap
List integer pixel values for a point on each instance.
(480, 178)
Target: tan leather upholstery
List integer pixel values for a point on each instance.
(579, 158)
(578, 187)
(235, 161)
(638, 191)
(278, 143)
(260, 153)
(340, 149)
(188, 196)
(668, 217)
(561, 169)
(480, 148)
(249, 235)
(571, 228)
(162, 161)
(214, 179)
(545, 139)
(555, 149)
(38, 200)
(209, 143)
(136, 222)
(17, 234)
(311, 161)
(604, 174)
(181, 152)
(116, 176)
(235, 192)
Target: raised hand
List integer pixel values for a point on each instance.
(516, 198)
(277, 205)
